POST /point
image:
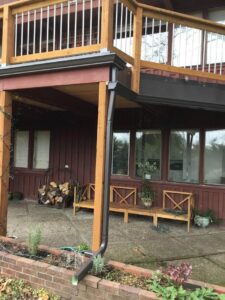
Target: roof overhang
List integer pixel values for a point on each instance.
(156, 90)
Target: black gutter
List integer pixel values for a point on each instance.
(79, 275)
(60, 64)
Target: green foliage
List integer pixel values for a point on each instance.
(34, 240)
(16, 289)
(146, 168)
(166, 288)
(98, 265)
(83, 247)
(209, 213)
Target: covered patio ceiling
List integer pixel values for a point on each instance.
(184, 5)
(79, 99)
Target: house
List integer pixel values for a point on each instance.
(63, 63)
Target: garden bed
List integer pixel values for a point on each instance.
(126, 281)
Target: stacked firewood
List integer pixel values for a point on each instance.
(59, 195)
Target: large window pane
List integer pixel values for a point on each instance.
(121, 148)
(21, 149)
(184, 156)
(215, 157)
(148, 149)
(41, 149)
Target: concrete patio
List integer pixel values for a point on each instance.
(136, 242)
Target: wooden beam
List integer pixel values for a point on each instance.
(54, 54)
(135, 81)
(5, 142)
(32, 102)
(99, 166)
(7, 36)
(107, 24)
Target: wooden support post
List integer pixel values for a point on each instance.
(8, 35)
(5, 142)
(107, 24)
(100, 165)
(135, 83)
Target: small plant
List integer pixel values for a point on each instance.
(83, 247)
(34, 240)
(167, 284)
(146, 194)
(98, 265)
(178, 274)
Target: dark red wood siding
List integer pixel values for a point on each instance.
(74, 147)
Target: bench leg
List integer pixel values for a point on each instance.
(155, 220)
(188, 226)
(125, 217)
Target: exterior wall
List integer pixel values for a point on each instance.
(74, 147)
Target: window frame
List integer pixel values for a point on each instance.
(128, 158)
(30, 167)
(199, 157)
(161, 153)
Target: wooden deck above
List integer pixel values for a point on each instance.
(146, 37)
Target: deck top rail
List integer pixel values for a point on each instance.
(146, 37)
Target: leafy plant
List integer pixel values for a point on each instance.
(167, 284)
(178, 274)
(34, 240)
(146, 168)
(209, 213)
(98, 265)
(83, 247)
(17, 289)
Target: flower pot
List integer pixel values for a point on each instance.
(147, 202)
(202, 221)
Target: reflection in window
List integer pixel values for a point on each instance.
(21, 149)
(121, 148)
(184, 156)
(148, 148)
(215, 157)
(41, 149)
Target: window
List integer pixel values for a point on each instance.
(184, 156)
(21, 149)
(121, 149)
(215, 157)
(41, 147)
(148, 148)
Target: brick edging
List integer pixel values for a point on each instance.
(57, 280)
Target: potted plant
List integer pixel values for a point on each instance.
(146, 194)
(203, 219)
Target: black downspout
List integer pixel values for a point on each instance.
(79, 275)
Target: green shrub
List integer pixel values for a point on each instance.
(98, 265)
(34, 240)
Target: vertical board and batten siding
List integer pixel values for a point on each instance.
(72, 147)
(206, 197)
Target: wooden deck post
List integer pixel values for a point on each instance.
(5, 142)
(107, 24)
(100, 165)
(135, 83)
(8, 35)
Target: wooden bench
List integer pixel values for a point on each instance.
(124, 200)
(176, 206)
(120, 199)
(85, 199)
